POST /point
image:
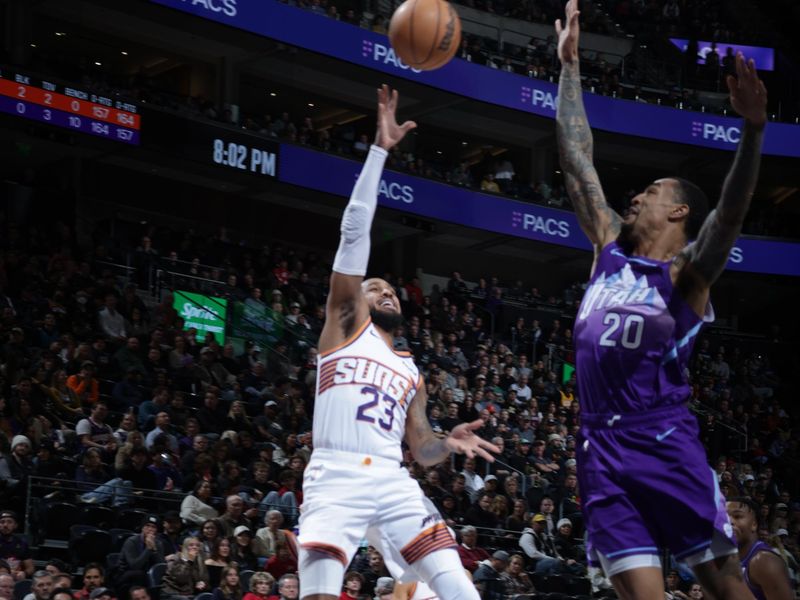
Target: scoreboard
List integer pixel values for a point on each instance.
(68, 107)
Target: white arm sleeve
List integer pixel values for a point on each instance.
(353, 253)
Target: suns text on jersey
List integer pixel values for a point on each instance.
(365, 371)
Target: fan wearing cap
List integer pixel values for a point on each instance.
(488, 577)
(242, 549)
(14, 471)
(138, 554)
(764, 571)
(566, 548)
(13, 547)
(538, 546)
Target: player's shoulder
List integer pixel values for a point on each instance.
(766, 563)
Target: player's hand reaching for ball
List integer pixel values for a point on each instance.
(462, 440)
(748, 94)
(389, 132)
(568, 34)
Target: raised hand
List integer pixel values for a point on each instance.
(389, 132)
(568, 35)
(463, 440)
(748, 94)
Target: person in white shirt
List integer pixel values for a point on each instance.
(472, 481)
(111, 322)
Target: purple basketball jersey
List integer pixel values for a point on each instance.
(633, 336)
(757, 547)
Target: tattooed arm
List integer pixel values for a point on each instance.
(430, 449)
(600, 223)
(708, 255)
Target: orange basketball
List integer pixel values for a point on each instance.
(425, 34)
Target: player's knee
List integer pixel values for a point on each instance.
(444, 574)
(320, 575)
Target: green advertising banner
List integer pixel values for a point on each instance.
(256, 321)
(568, 371)
(204, 313)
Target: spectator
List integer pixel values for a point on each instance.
(468, 551)
(93, 432)
(288, 587)
(111, 322)
(14, 471)
(230, 587)
(515, 578)
(7, 587)
(219, 559)
(14, 549)
(85, 385)
(139, 553)
(488, 576)
(538, 547)
(282, 562)
(566, 549)
(186, 575)
(472, 481)
(93, 579)
(260, 586)
(242, 548)
(270, 537)
(353, 583)
(195, 507)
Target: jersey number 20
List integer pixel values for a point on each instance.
(362, 415)
(632, 328)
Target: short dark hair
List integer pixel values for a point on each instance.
(691, 195)
(745, 502)
(56, 592)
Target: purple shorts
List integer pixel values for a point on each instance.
(646, 485)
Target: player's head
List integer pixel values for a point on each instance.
(384, 307)
(671, 201)
(743, 513)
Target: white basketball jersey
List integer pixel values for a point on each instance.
(364, 389)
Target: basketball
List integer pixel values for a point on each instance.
(425, 34)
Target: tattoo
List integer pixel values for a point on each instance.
(427, 448)
(347, 317)
(709, 254)
(575, 149)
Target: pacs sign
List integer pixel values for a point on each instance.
(206, 314)
(343, 41)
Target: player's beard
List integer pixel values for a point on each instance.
(388, 321)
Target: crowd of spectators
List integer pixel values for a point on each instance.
(103, 390)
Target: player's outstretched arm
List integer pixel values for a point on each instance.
(430, 449)
(600, 223)
(709, 253)
(346, 308)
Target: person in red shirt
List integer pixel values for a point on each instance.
(85, 385)
(353, 582)
(468, 551)
(93, 578)
(281, 562)
(260, 586)
(414, 291)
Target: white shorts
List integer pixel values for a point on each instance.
(344, 494)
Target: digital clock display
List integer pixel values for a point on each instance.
(244, 157)
(68, 108)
